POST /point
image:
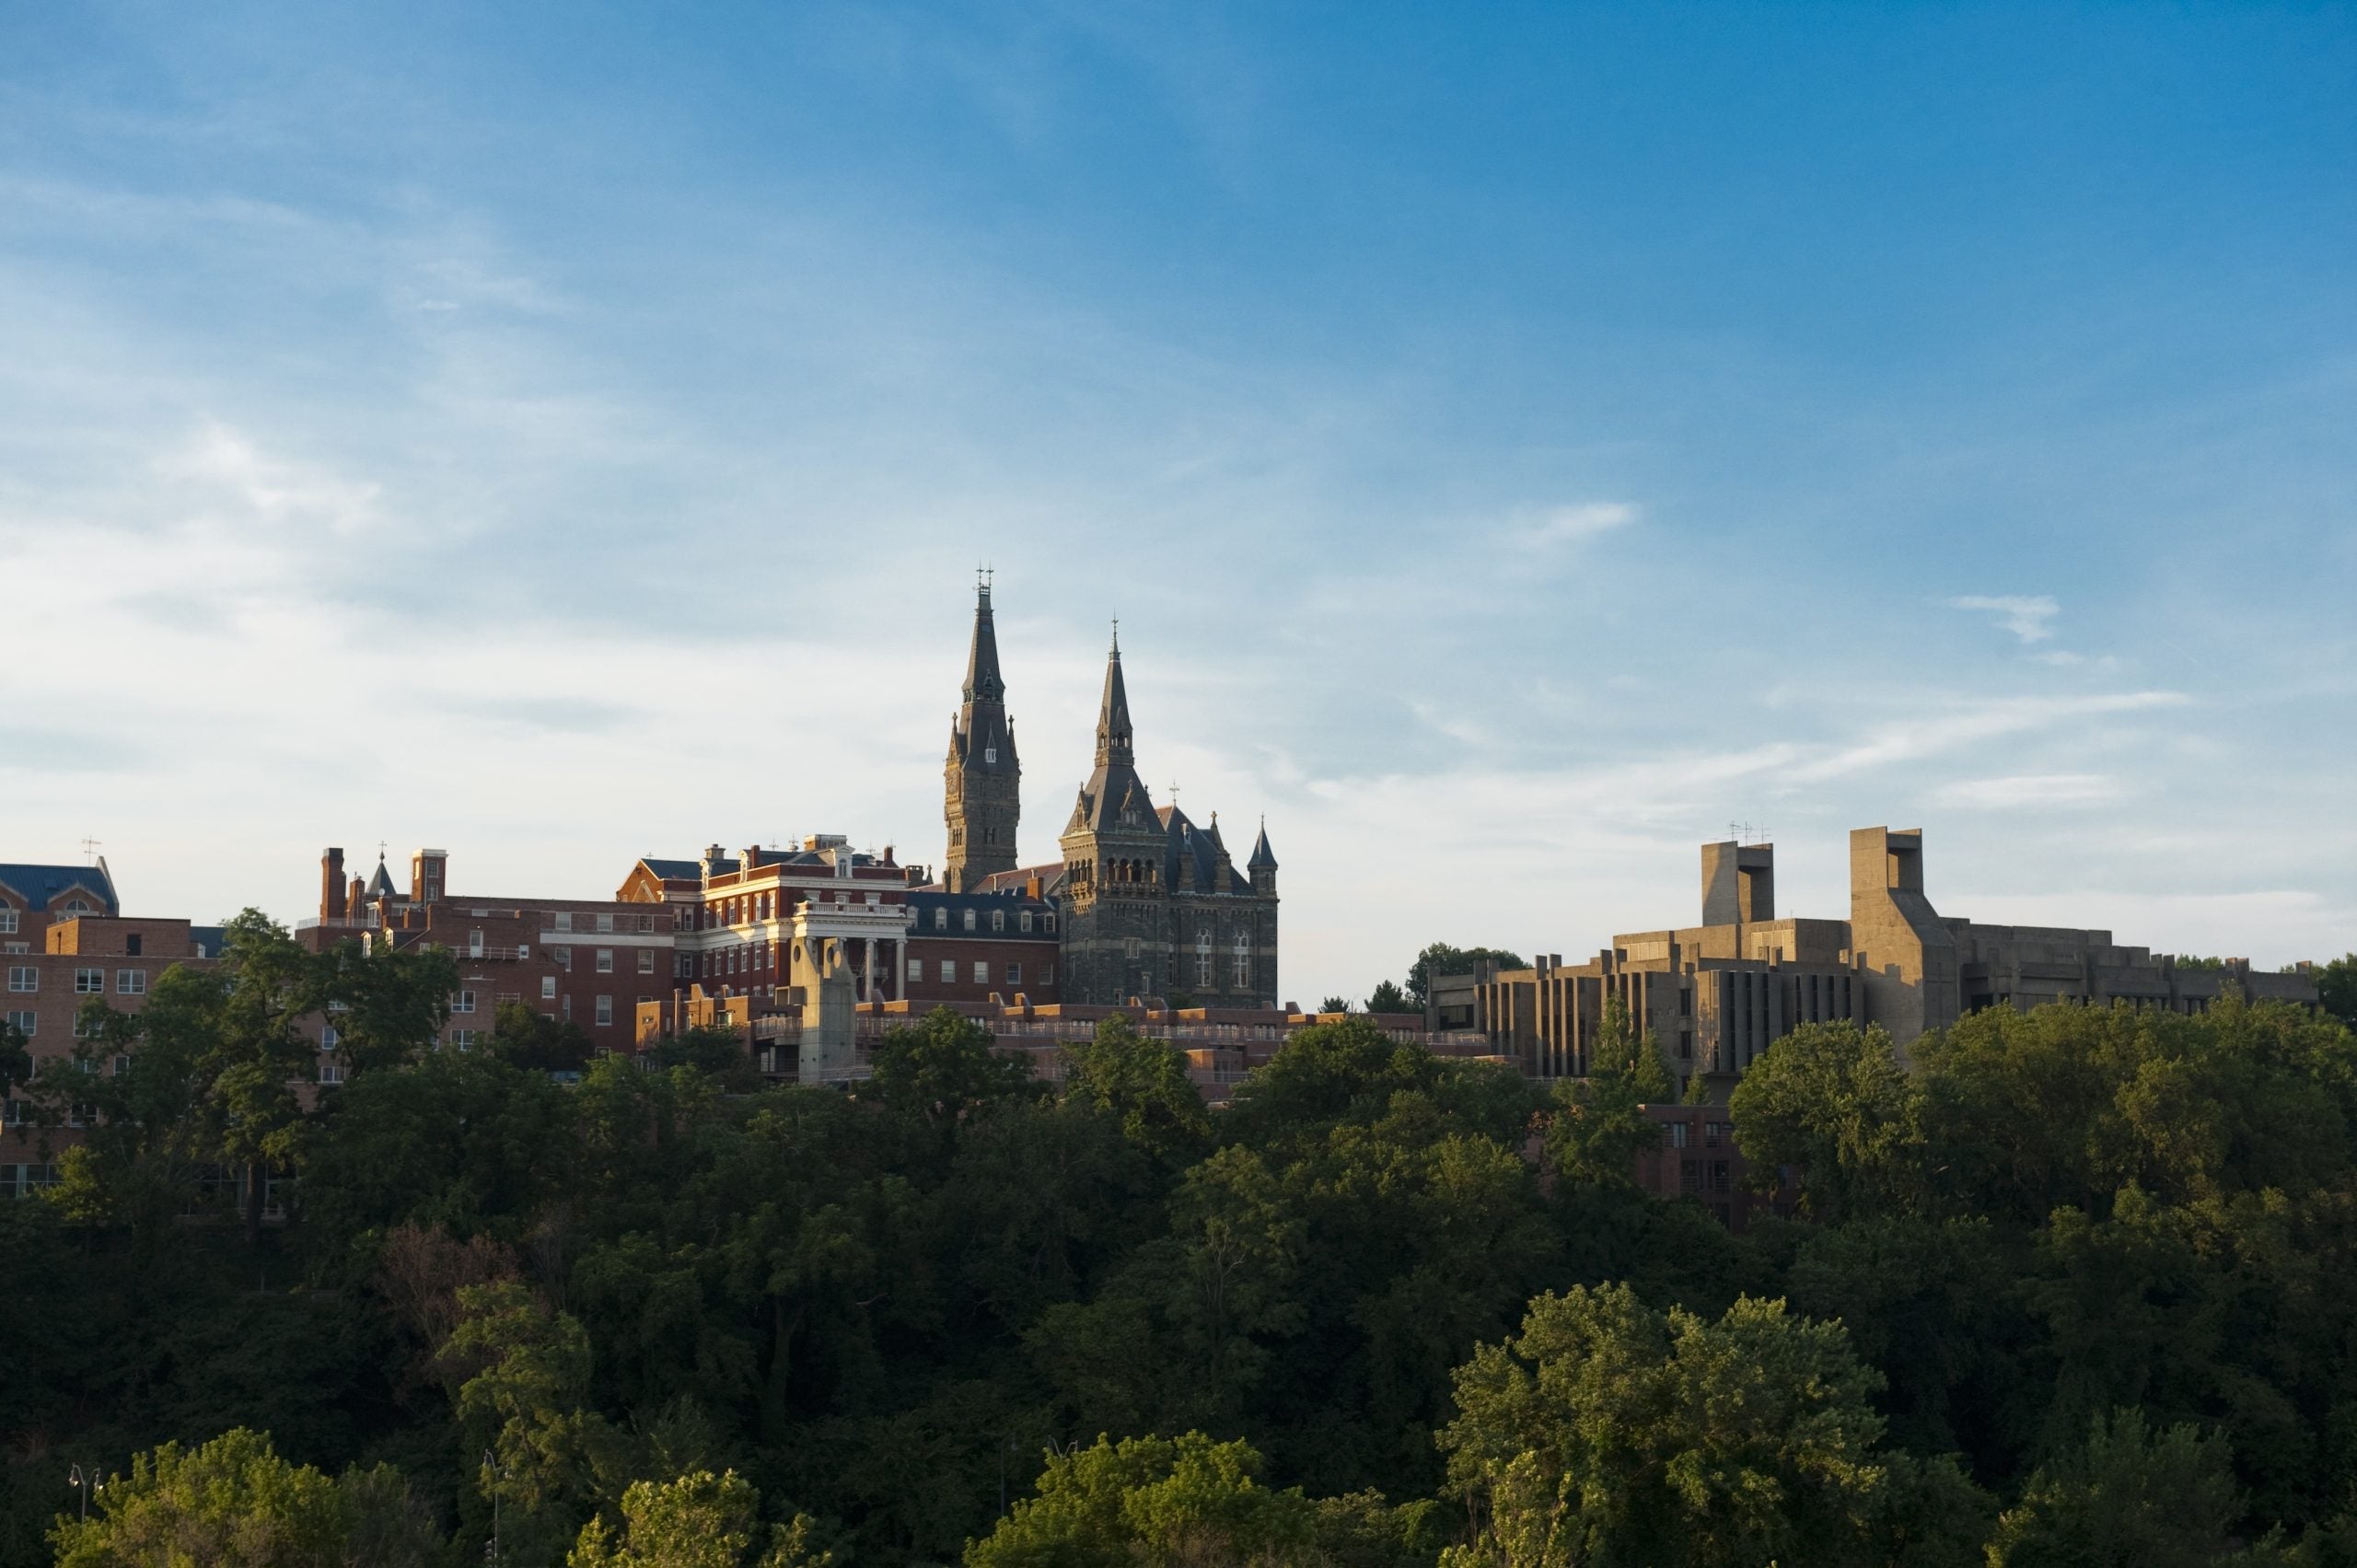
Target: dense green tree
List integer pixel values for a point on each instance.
(2337, 988)
(1387, 997)
(1608, 1433)
(1440, 959)
(2128, 1497)
(525, 1037)
(941, 1067)
(234, 1502)
(699, 1520)
(1143, 1082)
(1164, 1502)
(1832, 1102)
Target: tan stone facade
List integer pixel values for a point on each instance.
(1715, 995)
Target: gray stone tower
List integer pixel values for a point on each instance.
(1117, 927)
(982, 783)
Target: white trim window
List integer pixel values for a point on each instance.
(23, 977)
(647, 960)
(24, 1023)
(131, 982)
(329, 1038)
(8, 919)
(998, 919)
(89, 983)
(969, 920)
(916, 969)
(605, 960)
(981, 971)
(1203, 958)
(941, 920)
(1243, 962)
(605, 1011)
(1014, 974)
(949, 972)
(463, 1002)
(548, 988)
(330, 1074)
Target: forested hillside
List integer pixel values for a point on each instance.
(2079, 1287)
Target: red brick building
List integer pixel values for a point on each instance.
(64, 942)
(584, 961)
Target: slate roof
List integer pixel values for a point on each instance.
(43, 886)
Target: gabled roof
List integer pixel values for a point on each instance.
(673, 870)
(43, 886)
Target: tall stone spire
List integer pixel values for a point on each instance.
(1113, 740)
(982, 796)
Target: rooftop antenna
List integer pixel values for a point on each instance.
(90, 848)
(1174, 794)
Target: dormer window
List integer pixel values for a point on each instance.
(989, 753)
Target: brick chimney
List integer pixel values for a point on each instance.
(331, 886)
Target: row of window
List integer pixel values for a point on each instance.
(23, 978)
(998, 921)
(981, 973)
(562, 920)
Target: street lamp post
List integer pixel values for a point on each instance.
(491, 1466)
(81, 1480)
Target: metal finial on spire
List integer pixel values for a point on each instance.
(1117, 636)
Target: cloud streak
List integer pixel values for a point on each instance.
(2029, 617)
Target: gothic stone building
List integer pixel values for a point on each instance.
(1150, 903)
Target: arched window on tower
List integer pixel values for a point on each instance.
(1243, 962)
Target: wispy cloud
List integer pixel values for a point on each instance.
(2029, 790)
(1912, 739)
(2027, 616)
(1570, 524)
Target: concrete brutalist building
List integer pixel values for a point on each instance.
(1715, 994)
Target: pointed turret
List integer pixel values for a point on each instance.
(981, 777)
(1113, 738)
(1262, 868)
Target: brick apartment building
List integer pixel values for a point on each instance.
(65, 942)
(584, 961)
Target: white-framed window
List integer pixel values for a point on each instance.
(998, 919)
(465, 1039)
(24, 1023)
(564, 1006)
(969, 920)
(646, 922)
(474, 944)
(1014, 974)
(329, 1038)
(605, 960)
(1047, 974)
(563, 957)
(548, 988)
(78, 906)
(463, 1002)
(605, 1009)
(1048, 922)
(331, 1072)
(989, 753)
(23, 977)
(121, 1065)
(1243, 960)
(16, 947)
(606, 923)
(941, 920)
(8, 918)
(981, 971)
(647, 960)
(916, 969)
(131, 982)
(1026, 922)
(1203, 958)
(948, 977)
(563, 919)
(1132, 946)
(89, 983)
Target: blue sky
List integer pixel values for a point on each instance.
(1518, 443)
